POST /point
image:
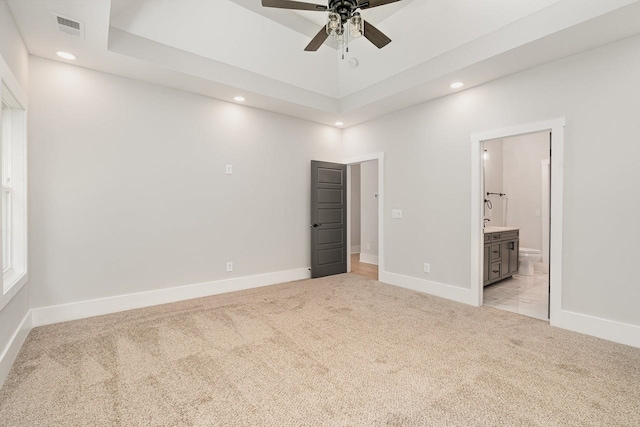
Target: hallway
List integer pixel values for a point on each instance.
(369, 271)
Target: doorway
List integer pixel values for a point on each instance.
(516, 217)
(363, 228)
(331, 218)
(508, 240)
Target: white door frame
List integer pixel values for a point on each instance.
(354, 161)
(556, 127)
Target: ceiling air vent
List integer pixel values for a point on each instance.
(69, 26)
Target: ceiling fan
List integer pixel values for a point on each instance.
(344, 21)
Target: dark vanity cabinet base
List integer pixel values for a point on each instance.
(501, 255)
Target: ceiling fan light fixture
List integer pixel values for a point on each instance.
(356, 26)
(334, 23)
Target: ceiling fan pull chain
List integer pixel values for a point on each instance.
(348, 34)
(345, 42)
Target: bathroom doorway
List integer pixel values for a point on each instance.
(517, 217)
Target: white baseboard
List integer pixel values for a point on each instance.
(10, 352)
(610, 330)
(97, 307)
(453, 293)
(355, 249)
(606, 329)
(369, 259)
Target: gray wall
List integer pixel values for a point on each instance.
(514, 168)
(493, 181)
(355, 209)
(522, 171)
(12, 315)
(133, 196)
(12, 47)
(428, 156)
(129, 192)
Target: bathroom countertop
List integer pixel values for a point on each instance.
(492, 229)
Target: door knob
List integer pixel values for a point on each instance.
(316, 225)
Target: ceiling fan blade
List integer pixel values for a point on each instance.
(297, 5)
(368, 4)
(375, 36)
(317, 41)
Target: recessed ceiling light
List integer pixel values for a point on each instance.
(66, 55)
(339, 124)
(239, 99)
(457, 85)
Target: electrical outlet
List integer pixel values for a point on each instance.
(427, 268)
(229, 266)
(229, 169)
(396, 214)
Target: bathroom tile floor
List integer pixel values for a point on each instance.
(526, 295)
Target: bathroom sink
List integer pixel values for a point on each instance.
(493, 229)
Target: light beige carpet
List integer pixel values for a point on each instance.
(340, 351)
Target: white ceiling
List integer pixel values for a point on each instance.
(223, 48)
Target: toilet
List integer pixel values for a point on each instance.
(528, 257)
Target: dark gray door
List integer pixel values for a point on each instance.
(328, 219)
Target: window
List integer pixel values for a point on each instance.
(6, 187)
(13, 203)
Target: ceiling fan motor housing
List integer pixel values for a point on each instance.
(344, 8)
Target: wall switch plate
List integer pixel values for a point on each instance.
(427, 268)
(229, 266)
(396, 214)
(229, 170)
